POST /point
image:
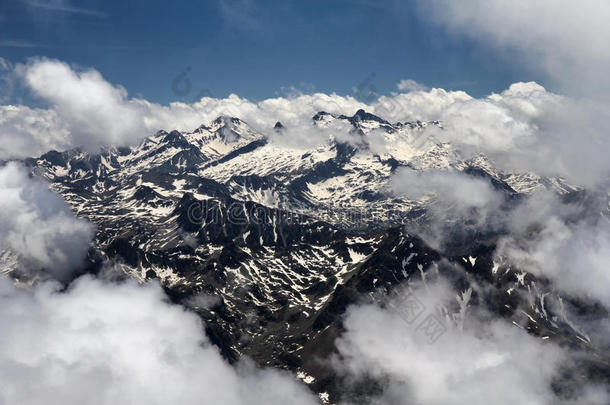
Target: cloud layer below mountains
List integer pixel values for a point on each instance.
(103, 343)
(37, 225)
(473, 358)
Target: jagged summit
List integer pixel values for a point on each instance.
(359, 116)
(222, 121)
(321, 115)
(362, 115)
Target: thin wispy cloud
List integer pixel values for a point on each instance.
(12, 43)
(66, 7)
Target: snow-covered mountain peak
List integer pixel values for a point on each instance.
(222, 121)
(363, 116)
(223, 135)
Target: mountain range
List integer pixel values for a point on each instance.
(270, 242)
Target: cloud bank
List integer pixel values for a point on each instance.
(568, 41)
(563, 241)
(525, 127)
(37, 225)
(103, 343)
(478, 360)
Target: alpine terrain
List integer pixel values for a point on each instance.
(270, 244)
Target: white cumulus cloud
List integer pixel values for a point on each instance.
(37, 225)
(477, 360)
(569, 41)
(411, 85)
(102, 343)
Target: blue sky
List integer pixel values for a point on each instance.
(256, 49)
